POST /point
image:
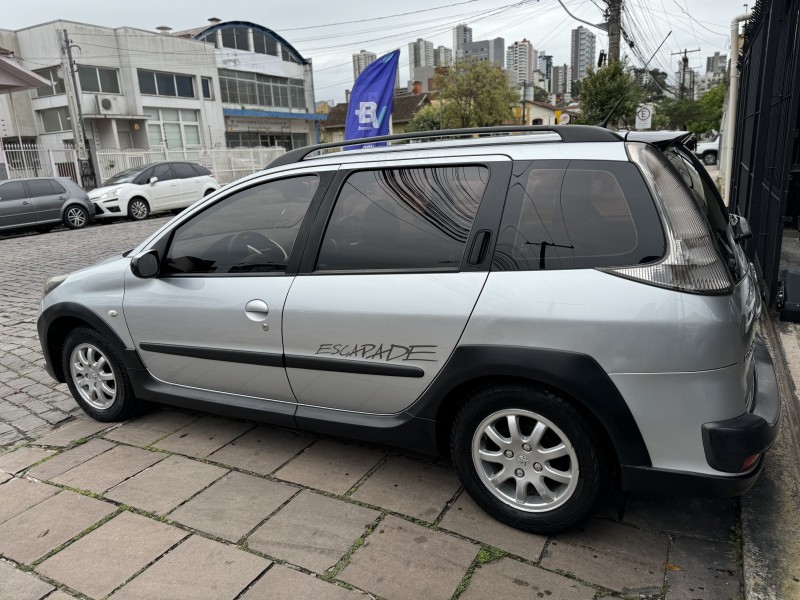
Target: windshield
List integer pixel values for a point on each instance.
(125, 176)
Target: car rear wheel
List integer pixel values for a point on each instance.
(710, 158)
(76, 217)
(97, 378)
(528, 458)
(138, 209)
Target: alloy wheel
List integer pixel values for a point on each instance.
(93, 376)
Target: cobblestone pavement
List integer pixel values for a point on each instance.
(221, 508)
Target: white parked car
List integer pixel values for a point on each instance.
(708, 151)
(137, 192)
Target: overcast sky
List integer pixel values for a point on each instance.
(316, 28)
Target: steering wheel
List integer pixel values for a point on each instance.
(247, 244)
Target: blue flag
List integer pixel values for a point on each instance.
(371, 100)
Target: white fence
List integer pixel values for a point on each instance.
(30, 160)
(227, 164)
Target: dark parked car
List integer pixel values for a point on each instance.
(43, 203)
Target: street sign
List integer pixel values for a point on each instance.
(564, 119)
(644, 117)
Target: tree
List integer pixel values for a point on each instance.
(603, 89)
(657, 83)
(427, 118)
(674, 113)
(697, 116)
(709, 110)
(476, 94)
(540, 94)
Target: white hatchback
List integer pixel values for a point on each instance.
(137, 192)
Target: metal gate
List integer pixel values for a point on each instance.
(767, 121)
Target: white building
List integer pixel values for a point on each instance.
(361, 61)
(521, 62)
(582, 52)
(420, 54)
(223, 84)
(442, 57)
(462, 34)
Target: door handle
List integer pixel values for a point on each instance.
(480, 247)
(256, 310)
(25, 203)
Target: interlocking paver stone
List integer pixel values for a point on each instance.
(203, 437)
(65, 461)
(262, 450)
(103, 472)
(18, 585)
(18, 495)
(132, 540)
(283, 583)
(410, 487)
(615, 556)
(37, 531)
(403, 560)
(312, 531)
(233, 506)
(708, 570)
(165, 485)
(72, 432)
(21, 459)
(710, 518)
(198, 568)
(467, 518)
(147, 429)
(512, 580)
(330, 466)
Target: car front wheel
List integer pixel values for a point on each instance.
(710, 158)
(528, 458)
(76, 217)
(97, 378)
(138, 209)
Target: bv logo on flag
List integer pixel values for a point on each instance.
(371, 100)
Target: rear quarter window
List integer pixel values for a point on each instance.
(577, 215)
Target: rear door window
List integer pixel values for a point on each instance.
(403, 219)
(163, 172)
(57, 187)
(40, 187)
(200, 170)
(577, 215)
(183, 170)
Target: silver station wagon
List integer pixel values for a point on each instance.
(556, 308)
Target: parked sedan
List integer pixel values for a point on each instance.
(43, 203)
(137, 192)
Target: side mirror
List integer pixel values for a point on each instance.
(153, 180)
(146, 266)
(741, 228)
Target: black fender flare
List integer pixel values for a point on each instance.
(573, 374)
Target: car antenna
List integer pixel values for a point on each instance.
(604, 122)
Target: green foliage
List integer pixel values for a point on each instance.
(426, 119)
(476, 94)
(654, 89)
(698, 116)
(709, 110)
(540, 94)
(602, 89)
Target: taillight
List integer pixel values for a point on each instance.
(692, 263)
(750, 461)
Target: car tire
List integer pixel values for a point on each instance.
(75, 217)
(97, 377)
(207, 192)
(507, 471)
(138, 209)
(710, 158)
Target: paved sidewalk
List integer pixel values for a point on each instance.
(185, 505)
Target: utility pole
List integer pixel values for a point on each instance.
(684, 69)
(614, 29)
(78, 127)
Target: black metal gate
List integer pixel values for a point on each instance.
(767, 121)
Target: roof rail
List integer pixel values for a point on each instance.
(568, 133)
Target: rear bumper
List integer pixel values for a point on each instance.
(728, 443)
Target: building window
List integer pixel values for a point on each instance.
(154, 83)
(264, 44)
(205, 83)
(55, 119)
(236, 38)
(254, 139)
(173, 127)
(97, 79)
(56, 82)
(239, 87)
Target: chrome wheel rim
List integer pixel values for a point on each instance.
(93, 376)
(76, 217)
(139, 209)
(525, 461)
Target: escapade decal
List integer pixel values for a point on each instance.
(381, 352)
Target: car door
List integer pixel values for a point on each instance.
(400, 259)
(16, 208)
(165, 192)
(190, 183)
(212, 319)
(47, 197)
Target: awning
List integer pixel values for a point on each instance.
(15, 78)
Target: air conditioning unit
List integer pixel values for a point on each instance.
(107, 105)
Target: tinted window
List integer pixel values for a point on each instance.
(183, 170)
(200, 170)
(57, 187)
(39, 187)
(250, 231)
(403, 219)
(577, 215)
(13, 190)
(163, 172)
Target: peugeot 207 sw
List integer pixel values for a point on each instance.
(556, 308)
